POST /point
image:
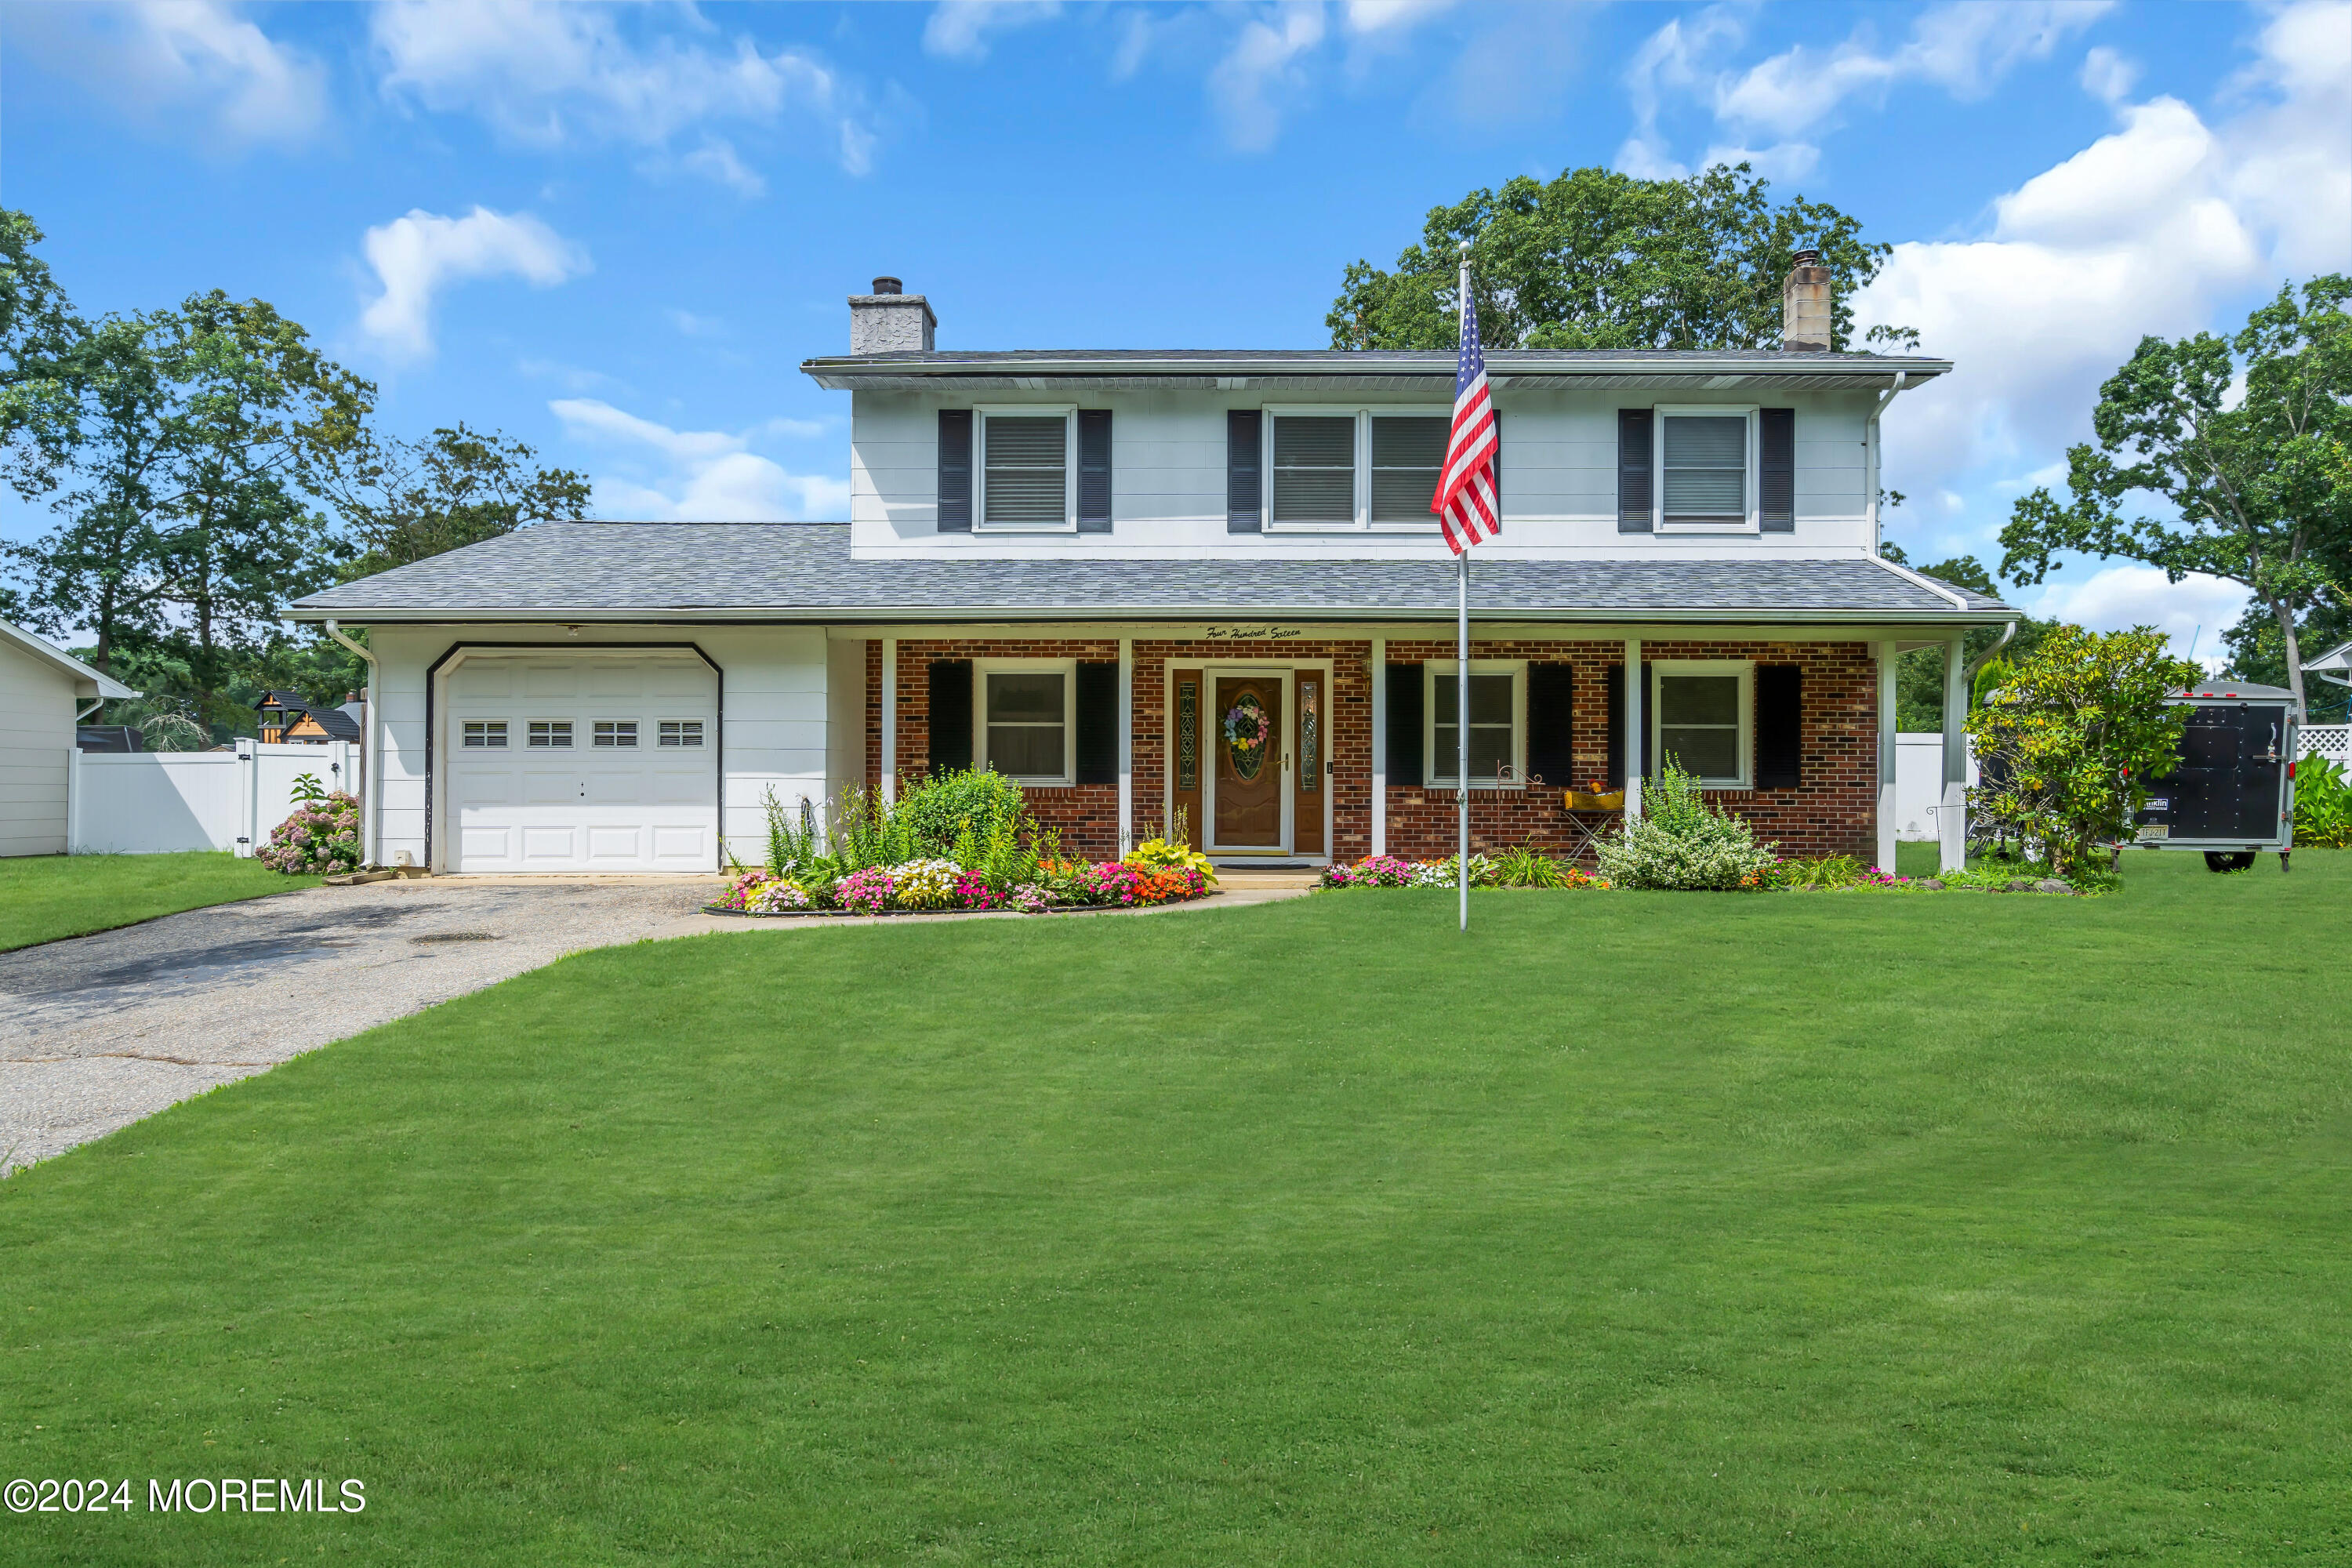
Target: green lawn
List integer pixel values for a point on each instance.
(1831, 1228)
(45, 896)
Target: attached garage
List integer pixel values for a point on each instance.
(587, 761)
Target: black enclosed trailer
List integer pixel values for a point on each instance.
(2232, 796)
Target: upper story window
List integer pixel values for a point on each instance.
(1028, 482)
(1707, 469)
(1354, 469)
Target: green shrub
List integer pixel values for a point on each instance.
(936, 810)
(1528, 866)
(1680, 842)
(2323, 804)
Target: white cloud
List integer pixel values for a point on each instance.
(701, 475)
(959, 29)
(547, 75)
(714, 160)
(2195, 610)
(1963, 48)
(1785, 160)
(417, 256)
(2107, 76)
(157, 58)
(2150, 230)
(1251, 86)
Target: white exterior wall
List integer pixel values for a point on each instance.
(845, 734)
(36, 735)
(1168, 478)
(773, 732)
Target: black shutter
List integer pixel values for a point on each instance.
(1776, 468)
(955, 470)
(950, 698)
(1779, 726)
(1244, 495)
(1551, 761)
(1496, 416)
(1404, 724)
(1094, 470)
(1098, 747)
(1634, 470)
(1616, 779)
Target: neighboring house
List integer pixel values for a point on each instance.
(44, 692)
(1197, 583)
(288, 718)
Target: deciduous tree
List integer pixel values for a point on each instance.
(401, 501)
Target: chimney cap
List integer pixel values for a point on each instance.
(889, 286)
(1806, 257)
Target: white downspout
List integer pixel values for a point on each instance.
(371, 757)
(1870, 458)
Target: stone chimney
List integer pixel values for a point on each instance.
(1805, 306)
(890, 320)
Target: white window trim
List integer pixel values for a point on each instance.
(1653, 712)
(1362, 413)
(1431, 776)
(982, 668)
(1754, 523)
(701, 730)
(982, 414)
(637, 734)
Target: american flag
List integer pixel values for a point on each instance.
(1465, 505)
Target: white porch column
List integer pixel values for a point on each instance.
(1635, 721)
(1126, 747)
(1379, 746)
(890, 719)
(1952, 817)
(1889, 657)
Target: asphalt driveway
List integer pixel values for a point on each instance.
(98, 1031)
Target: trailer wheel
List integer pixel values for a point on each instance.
(2229, 860)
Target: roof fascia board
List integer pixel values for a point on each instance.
(842, 373)
(65, 663)
(902, 614)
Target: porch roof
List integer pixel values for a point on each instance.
(804, 571)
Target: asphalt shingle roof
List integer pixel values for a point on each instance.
(803, 571)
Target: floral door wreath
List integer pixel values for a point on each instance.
(1247, 731)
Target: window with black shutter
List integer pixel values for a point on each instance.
(1776, 468)
(1551, 757)
(1244, 494)
(1094, 470)
(1404, 724)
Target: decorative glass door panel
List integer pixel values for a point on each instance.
(1249, 746)
(1308, 808)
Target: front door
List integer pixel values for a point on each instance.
(1250, 754)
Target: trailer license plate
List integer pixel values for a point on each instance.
(2154, 830)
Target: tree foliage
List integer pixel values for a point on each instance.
(1920, 676)
(2259, 479)
(400, 502)
(40, 338)
(1597, 259)
(2066, 749)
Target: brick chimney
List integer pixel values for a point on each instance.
(1805, 306)
(890, 320)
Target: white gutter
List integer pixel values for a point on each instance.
(371, 757)
(1870, 458)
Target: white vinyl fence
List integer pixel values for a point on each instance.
(148, 803)
(2333, 742)
(1919, 785)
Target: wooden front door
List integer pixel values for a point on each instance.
(1249, 743)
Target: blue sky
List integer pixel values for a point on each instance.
(615, 231)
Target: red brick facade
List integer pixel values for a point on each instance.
(1833, 810)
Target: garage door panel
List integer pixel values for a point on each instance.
(584, 808)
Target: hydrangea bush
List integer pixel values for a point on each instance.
(322, 838)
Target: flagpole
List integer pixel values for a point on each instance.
(1462, 673)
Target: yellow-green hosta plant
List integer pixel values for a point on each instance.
(1159, 855)
(2066, 751)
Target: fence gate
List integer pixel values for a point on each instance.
(153, 803)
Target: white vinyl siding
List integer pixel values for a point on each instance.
(1025, 474)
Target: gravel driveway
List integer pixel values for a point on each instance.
(98, 1031)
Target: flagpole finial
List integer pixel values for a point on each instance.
(1465, 248)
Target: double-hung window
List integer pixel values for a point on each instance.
(1358, 468)
(1707, 469)
(1027, 471)
(1702, 720)
(1497, 724)
(1025, 716)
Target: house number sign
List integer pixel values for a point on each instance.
(1253, 634)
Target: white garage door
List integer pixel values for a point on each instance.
(582, 763)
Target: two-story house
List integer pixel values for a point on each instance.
(1196, 586)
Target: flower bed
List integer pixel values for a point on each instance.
(939, 887)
